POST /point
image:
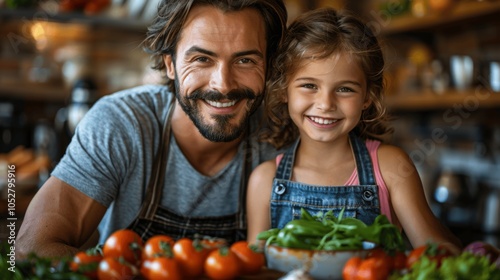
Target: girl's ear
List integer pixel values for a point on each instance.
(170, 67)
(368, 101)
(367, 104)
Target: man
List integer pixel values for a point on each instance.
(136, 162)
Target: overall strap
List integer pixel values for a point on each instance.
(363, 160)
(284, 169)
(155, 186)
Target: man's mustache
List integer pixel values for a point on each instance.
(214, 95)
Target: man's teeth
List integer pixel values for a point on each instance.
(221, 104)
(322, 121)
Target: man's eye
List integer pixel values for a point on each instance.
(245, 61)
(201, 59)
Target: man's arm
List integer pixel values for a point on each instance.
(58, 221)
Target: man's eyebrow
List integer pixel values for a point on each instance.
(250, 52)
(195, 49)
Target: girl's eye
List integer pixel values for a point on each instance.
(345, 89)
(309, 86)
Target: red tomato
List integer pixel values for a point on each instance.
(157, 268)
(351, 268)
(399, 260)
(86, 263)
(415, 255)
(115, 269)
(433, 251)
(381, 254)
(222, 264)
(124, 243)
(213, 243)
(191, 256)
(251, 261)
(373, 269)
(158, 245)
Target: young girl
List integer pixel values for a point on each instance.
(327, 89)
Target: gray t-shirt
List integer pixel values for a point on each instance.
(111, 156)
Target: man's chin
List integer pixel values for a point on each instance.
(222, 132)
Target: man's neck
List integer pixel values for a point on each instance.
(205, 156)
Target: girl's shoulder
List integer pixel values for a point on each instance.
(391, 152)
(394, 160)
(266, 167)
(262, 174)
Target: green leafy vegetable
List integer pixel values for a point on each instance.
(462, 267)
(37, 268)
(325, 231)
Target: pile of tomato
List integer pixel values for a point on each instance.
(379, 264)
(125, 256)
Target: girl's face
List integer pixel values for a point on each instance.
(326, 97)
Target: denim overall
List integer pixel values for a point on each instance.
(288, 197)
(154, 219)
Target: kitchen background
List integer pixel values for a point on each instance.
(443, 78)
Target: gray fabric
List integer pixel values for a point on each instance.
(111, 155)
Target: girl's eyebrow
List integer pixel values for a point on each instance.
(355, 83)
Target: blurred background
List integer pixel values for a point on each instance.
(443, 89)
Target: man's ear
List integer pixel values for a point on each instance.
(169, 66)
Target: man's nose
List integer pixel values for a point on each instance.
(223, 79)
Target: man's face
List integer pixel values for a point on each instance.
(219, 69)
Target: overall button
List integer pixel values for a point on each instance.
(280, 189)
(368, 195)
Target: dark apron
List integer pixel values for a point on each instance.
(154, 219)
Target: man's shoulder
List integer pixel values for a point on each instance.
(142, 92)
(144, 99)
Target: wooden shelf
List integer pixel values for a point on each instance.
(41, 92)
(473, 100)
(34, 92)
(462, 11)
(126, 24)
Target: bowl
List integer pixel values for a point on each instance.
(318, 264)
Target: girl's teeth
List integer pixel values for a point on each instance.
(221, 104)
(322, 121)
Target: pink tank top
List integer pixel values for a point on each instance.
(383, 193)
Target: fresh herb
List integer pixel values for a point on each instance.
(325, 231)
(37, 268)
(461, 267)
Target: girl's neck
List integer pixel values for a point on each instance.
(324, 163)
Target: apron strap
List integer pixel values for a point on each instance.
(246, 170)
(153, 195)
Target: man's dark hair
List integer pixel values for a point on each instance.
(164, 33)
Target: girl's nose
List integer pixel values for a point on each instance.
(326, 102)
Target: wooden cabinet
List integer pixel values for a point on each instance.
(44, 52)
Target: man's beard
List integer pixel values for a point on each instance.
(222, 130)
